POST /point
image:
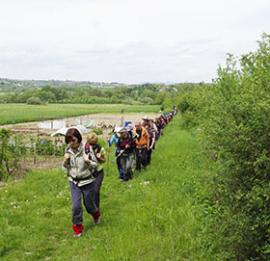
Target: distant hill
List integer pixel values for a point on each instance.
(22, 84)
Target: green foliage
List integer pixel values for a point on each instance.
(98, 131)
(193, 104)
(123, 94)
(45, 146)
(34, 101)
(11, 150)
(237, 127)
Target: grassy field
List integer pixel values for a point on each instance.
(16, 113)
(159, 220)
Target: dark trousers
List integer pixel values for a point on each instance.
(141, 158)
(149, 156)
(99, 179)
(119, 167)
(88, 193)
(126, 164)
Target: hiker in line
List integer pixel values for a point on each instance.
(154, 130)
(94, 152)
(158, 123)
(125, 148)
(81, 180)
(147, 125)
(113, 140)
(133, 136)
(142, 146)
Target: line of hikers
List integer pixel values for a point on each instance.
(84, 162)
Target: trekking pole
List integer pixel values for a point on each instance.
(121, 152)
(108, 157)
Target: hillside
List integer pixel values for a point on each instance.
(156, 216)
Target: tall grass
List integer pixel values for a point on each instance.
(15, 113)
(159, 215)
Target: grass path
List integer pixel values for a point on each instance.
(159, 220)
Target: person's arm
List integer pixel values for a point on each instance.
(66, 162)
(101, 155)
(153, 140)
(147, 138)
(86, 157)
(112, 140)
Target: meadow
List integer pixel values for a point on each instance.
(16, 113)
(159, 215)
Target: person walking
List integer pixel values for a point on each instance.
(81, 181)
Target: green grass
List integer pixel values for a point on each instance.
(15, 113)
(159, 221)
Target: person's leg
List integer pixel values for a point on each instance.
(76, 196)
(119, 167)
(99, 180)
(129, 166)
(89, 193)
(133, 162)
(77, 213)
(144, 157)
(138, 159)
(123, 161)
(149, 152)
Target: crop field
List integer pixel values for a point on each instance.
(16, 113)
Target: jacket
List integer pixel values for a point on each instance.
(79, 171)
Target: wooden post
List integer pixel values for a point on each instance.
(122, 117)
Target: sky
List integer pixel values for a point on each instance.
(127, 41)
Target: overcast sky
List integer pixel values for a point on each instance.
(129, 41)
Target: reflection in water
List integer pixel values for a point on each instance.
(67, 122)
(53, 124)
(62, 123)
(92, 120)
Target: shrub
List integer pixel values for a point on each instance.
(238, 128)
(34, 101)
(98, 131)
(11, 149)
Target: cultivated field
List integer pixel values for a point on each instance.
(16, 113)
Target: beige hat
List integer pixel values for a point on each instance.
(117, 129)
(146, 118)
(122, 130)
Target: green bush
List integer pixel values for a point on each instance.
(238, 128)
(49, 147)
(98, 131)
(34, 101)
(192, 105)
(11, 150)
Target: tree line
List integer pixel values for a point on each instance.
(129, 94)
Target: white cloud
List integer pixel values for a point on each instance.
(125, 40)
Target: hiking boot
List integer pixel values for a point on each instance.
(96, 217)
(77, 229)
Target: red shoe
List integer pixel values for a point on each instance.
(78, 230)
(96, 217)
